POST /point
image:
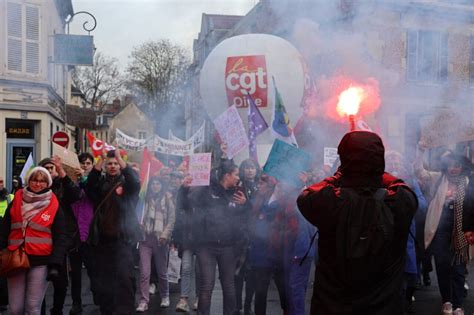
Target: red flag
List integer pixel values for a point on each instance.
(98, 146)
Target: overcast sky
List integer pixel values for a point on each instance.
(123, 24)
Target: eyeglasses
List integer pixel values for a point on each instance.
(38, 181)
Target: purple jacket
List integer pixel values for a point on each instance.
(83, 210)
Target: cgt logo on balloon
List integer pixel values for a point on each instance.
(246, 74)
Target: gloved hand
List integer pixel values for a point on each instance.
(53, 274)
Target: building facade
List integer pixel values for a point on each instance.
(420, 52)
(33, 89)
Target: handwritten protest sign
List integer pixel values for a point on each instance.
(231, 130)
(286, 162)
(69, 160)
(330, 156)
(200, 169)
(447, 126)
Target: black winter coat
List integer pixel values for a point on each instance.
(334, 292)
(67, 193)
(218, 221)
(121, 203)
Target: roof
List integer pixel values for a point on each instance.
(80, 117)
(220, 21)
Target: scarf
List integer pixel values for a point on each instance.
(32, 204)
(461, 247)
(434, 210)
(153, 220)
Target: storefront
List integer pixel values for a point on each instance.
(21, 142)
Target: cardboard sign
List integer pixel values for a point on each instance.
(330, 156)
(447, 126)
(200, 169)
(286, 162)
(231, 130)
(69, 160)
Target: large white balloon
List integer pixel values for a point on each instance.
(247, 63)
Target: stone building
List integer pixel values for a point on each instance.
(420, 52)
(33, 90)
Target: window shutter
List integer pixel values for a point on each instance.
(15, 31)
(412, 62)
(443, 58)
(32, 39)
(471, 61)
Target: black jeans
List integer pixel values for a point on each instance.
(245, 276)
(76, 259)
(3, 291)
(60, 289)
(115, 286)
(451, 276)
(262, 277)
(208, 256)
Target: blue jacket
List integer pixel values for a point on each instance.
(303, 238)
(260, 253)
(410, 264)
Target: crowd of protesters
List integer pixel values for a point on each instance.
(246, 224)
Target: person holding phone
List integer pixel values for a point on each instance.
(219, 211)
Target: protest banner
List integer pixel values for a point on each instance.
(447, 126)
(197, 139)
(68, 159)
(128, 142)
(171, 147)
(330, 156)
(200, 169)
(231, 130)
(286, 162)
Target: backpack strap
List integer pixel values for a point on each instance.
(309, 248)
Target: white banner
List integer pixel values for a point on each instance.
(171, 147)
(128, 142)
(197, 138)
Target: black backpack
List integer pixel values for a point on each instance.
(366, 226)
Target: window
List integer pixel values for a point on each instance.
(471, 61)
(23, 43)
(142, 135)
(427, 56)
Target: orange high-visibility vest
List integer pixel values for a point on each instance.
(38, 234)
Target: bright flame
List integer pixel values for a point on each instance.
(349, 101)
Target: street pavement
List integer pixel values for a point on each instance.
(427, 299)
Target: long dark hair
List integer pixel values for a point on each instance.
(225, 167)
(249, 163)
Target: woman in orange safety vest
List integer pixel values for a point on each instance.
(35, 221)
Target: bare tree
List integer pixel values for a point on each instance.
(158, 72)
(100, 82)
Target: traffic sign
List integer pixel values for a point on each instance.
(61, 138)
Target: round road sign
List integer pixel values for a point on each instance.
(61, 138)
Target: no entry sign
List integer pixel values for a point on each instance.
(61, 138)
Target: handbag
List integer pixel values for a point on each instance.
(13, 261)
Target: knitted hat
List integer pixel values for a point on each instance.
(45, 161)
(42, 170)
